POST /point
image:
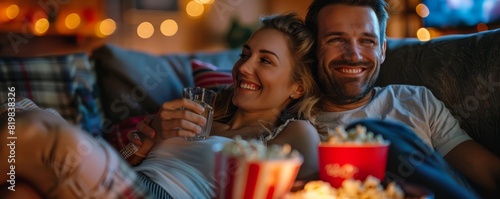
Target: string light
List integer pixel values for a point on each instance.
(105, 28)
(145, 30)
(72, 21)
(12, 11)
(169, 27)
(423, 34)
(41, 26)
(194, 9)
(422, 10)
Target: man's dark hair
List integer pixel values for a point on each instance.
(378, 6)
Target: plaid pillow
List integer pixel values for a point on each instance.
(65, 83)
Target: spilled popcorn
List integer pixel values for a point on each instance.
(256, 150)
(358, 135)
(369, 189)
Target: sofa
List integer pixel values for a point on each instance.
(111, 85)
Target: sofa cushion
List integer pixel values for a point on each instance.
(207, 75)
(134, 83)
(463, 71)
(65, 83)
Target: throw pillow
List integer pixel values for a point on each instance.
(206, 75)
(65, 83)
(134, 83)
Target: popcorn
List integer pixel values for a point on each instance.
(353, 154)
(256, 150)
(369, 189)
(358, 135)
(250, 169)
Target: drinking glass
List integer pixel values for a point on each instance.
(205, 98)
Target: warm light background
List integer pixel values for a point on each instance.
(196, 25)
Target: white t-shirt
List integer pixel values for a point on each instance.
(414, 106)
(183, 168)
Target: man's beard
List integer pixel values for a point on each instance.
(336, 94)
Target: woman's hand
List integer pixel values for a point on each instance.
(177, 118)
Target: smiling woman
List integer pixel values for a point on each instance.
(263, 74)
(272, 98)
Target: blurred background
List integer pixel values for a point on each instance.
(177, 26)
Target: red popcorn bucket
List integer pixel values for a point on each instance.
(338, 162)
(254, 179)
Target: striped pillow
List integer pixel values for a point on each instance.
(206, 76)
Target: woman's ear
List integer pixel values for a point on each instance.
(298, 91)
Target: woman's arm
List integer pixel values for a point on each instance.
(175, 118)
(303, 137)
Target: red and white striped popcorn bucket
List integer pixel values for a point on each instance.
(254, 179)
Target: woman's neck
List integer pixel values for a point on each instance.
(245, 125)
(245, 119)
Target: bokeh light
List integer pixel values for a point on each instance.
(169, 27)
(481, 27)
(145, 30)
(12, 11)
(423, 34)
(422, 10)
(105, 28)
(72, 21)
(41, 26)
(194, 9)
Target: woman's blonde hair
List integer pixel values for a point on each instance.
(300, 41)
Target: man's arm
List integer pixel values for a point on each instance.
(477, 163)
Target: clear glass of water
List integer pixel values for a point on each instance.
(205, 98)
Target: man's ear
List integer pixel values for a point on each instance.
(382, 57)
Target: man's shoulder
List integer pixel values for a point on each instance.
(402, 89)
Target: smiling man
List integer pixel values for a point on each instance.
(349, 55)
(349, 49)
